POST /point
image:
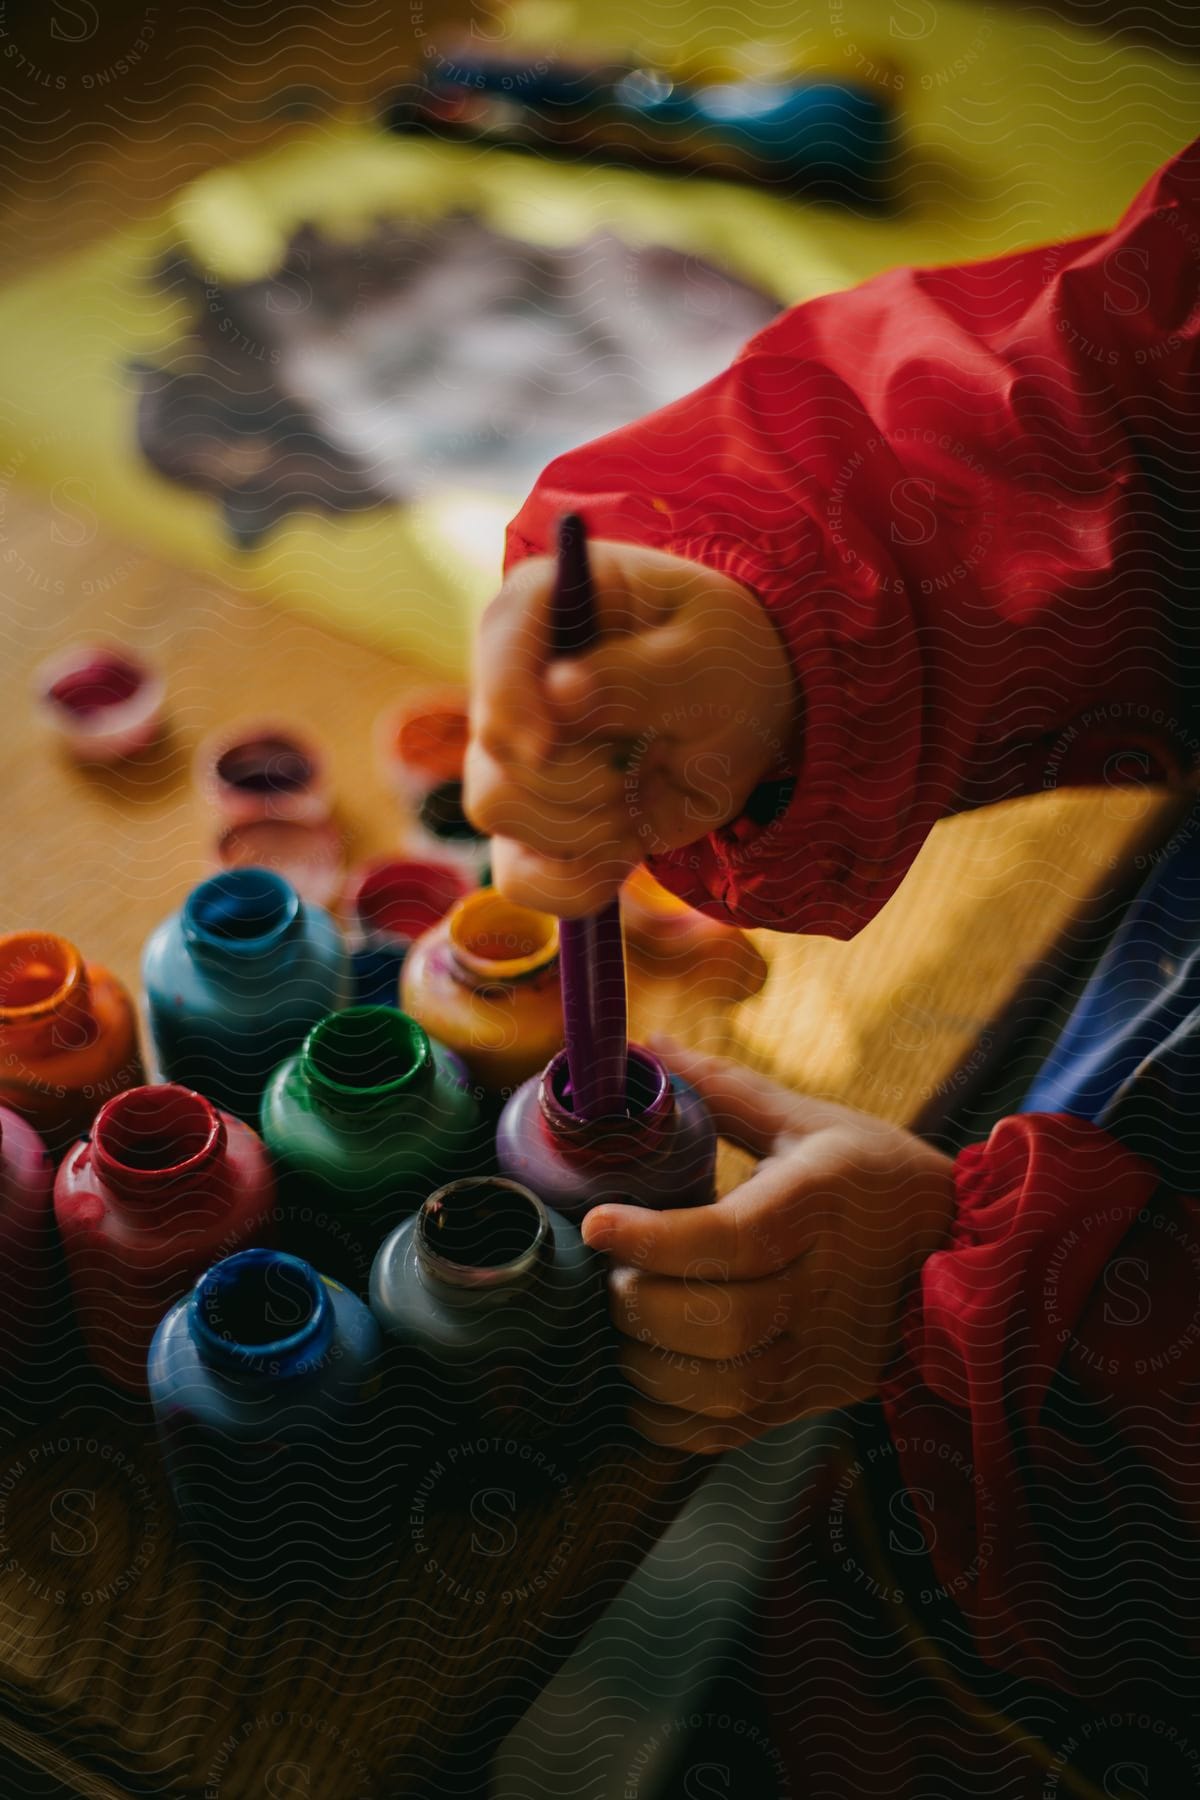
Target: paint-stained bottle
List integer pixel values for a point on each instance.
(660, 1153)
(387, 905)
(485, 982)
(163, 1186)
(363, 1122)
(235, 980)
(29, 1298)
(264, 1383)
(494, 1310)
(68, 1036)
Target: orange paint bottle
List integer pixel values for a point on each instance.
(484, 982)
(68, 1036)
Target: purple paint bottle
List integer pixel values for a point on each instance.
(661, 1152)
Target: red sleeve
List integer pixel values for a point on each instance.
(941, 486)
(1045, 1407)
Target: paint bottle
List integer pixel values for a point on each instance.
(68, 1036)
(233, 982)
(485, 982)
(164, 1186)
(264, 1383)
(310, 857)
(387, 904)
(441, 828)
(103, 702)
(494, 1311)
(423, 743)
(366, 1120)
(660, 1153)
(28, 1263)
(257, 771)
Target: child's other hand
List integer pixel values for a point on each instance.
(783, 1298)
(580, 769)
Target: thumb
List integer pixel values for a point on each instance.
(745, 1107)
(759, 1228)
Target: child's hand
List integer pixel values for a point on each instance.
(783, 1298)
(580, 769)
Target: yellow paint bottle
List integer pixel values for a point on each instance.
(485, 983)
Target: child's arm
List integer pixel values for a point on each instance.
(1030, 1315)
(945, 491)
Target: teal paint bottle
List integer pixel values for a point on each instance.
(235, 980)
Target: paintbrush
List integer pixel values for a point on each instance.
(592, 950)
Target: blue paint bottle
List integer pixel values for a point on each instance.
(264, 1384)
(234, 982)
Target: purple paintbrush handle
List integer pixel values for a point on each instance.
(593, 988)
(592, 949)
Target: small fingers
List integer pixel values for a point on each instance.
(571, 888)
(747, 1388)
(746, 1107)
(758, 1228)
(563, 811)
(623, 688)
(702, 1314)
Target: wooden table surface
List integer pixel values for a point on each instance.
(119, 1666)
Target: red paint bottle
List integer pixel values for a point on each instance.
(165, 1186)
(27, 1255)
(68, 1036)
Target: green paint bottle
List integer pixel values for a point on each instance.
(365, 1121)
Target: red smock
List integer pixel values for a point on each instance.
(960, 493)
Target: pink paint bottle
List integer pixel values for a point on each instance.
(261, 770)
(104, 703)
(27, 1252)
(165, 1186)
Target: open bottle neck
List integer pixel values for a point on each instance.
(493, 943)
(153, 1145)
(641, 1130)
(261, 1313)
(242, 919)
(365, 1057)
(481, 1239)
(45, 992)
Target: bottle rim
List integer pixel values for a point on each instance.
(485, 920)
(442, 816)
(365, 1038)
(222, 1289)
(428, 734)
(416, 891)
(649, 1092)
(241, 912)
(131, 1123)
(526, 1210)
(65, 978)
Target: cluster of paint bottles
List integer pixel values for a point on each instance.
(329, 1223)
